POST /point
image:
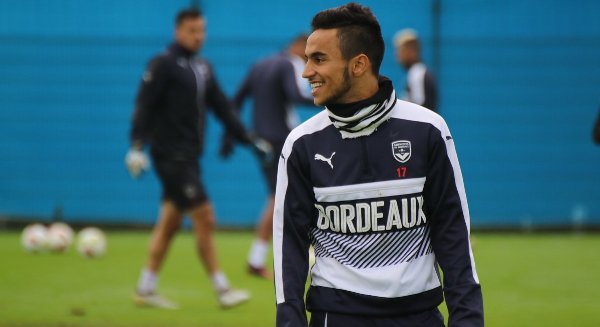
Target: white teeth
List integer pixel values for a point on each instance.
(314, 85)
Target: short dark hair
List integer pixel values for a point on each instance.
(358, 31)
(190, 13)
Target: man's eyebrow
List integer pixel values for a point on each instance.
(316, 54)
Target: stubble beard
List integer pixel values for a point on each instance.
(341, 91)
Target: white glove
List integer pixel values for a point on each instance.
(136, 161)
(263, 149)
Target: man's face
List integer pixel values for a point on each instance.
(326, 70)
(190, 34)
(405, 55)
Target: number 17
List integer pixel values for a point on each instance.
(401, 171)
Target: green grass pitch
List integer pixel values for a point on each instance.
(527, 280)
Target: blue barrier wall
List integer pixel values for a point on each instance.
(519, 87)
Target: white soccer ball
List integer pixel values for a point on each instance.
(34, 238)
(91, 242)
(60, 237)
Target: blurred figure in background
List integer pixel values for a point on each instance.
(275, 84)
(421, 87)
(170, 115)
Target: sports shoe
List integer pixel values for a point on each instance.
(230, 298)
(153, 300)
(261, 272)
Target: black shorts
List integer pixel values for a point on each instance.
(431, 318)
(180, 181)
(270, 171)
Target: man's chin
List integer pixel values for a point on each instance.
(328, 102)
(193, 49)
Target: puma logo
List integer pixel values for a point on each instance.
(327, 160)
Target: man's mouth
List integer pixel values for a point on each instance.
(315, 85)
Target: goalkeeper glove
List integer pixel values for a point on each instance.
(136, 161)
(263, 149)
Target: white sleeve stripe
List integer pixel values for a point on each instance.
(282, 183)
(316, 123)
(409, 111)
(460, 186)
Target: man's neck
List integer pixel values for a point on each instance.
(380, 93)
(365, 88)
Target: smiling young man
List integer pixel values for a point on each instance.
(374, 184)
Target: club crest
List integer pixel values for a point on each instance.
(401, 150)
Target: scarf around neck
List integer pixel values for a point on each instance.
(363, 117)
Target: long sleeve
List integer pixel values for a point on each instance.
(243, 92)
(224, 111)
(149, 94)
(447, 208)
(291, 221)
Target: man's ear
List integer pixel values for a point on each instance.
(359, 65)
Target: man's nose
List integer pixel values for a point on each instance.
(308, 71)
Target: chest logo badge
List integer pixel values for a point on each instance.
(401, 150)
(327, 160)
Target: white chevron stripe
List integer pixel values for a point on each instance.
(372, 250)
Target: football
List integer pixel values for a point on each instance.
(91, 242)
(60, 237)
(34, 238)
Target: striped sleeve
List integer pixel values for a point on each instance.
(293, 209)
(446, 204)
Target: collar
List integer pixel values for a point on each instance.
(178, 50)
(350, 109)
(362, 118)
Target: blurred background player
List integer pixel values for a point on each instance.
(170, 116)
(421, 87)
(275, 84)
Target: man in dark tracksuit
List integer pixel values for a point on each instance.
(374, 184)
(275, 84)
(170, 116)
(421, 87)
